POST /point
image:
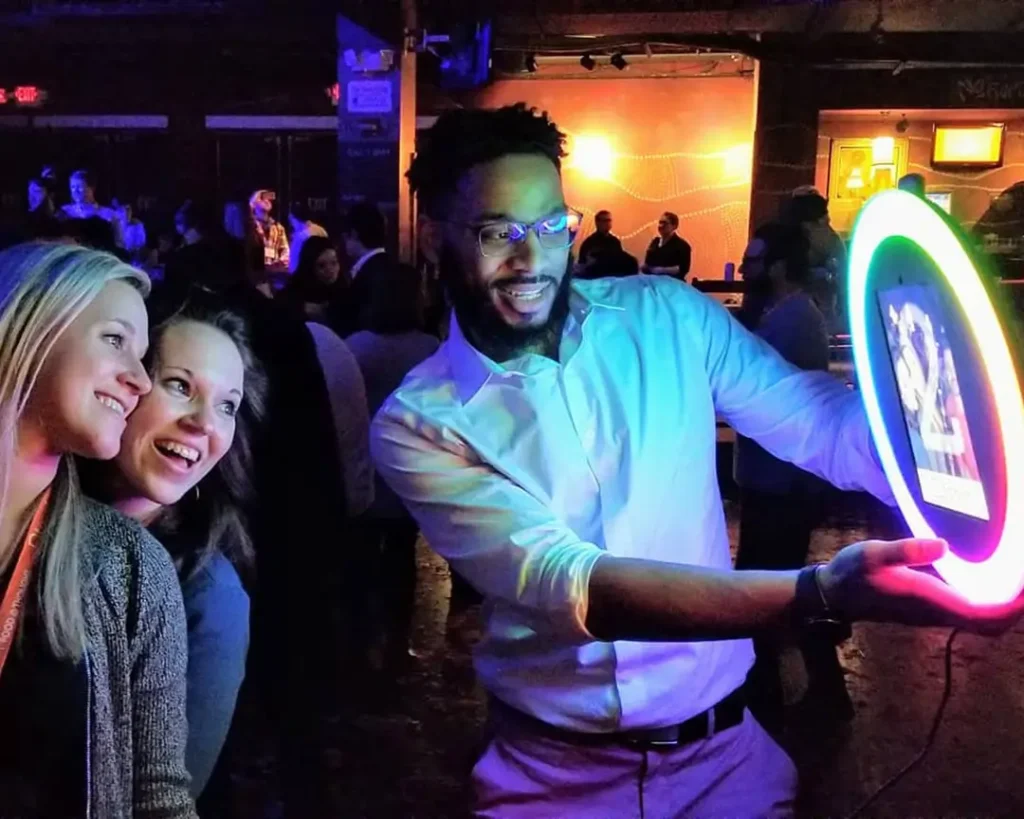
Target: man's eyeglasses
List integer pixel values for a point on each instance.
(554, 232)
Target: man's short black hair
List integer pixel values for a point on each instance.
(464, 138)
(365, 220)
(807, 207)
(787, 243)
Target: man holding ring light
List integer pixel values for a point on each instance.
(559, 451)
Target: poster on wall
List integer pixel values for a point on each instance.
(857, 172)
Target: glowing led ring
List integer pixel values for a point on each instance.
(895, 213)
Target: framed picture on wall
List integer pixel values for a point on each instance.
(860, 167)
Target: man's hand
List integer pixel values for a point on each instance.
(876, 581)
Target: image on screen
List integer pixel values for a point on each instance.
(930, 399)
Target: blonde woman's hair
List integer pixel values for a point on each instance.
(43, 288)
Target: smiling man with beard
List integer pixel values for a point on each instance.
(559, 451)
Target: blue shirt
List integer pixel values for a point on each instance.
(525, 473)
(796, 328)
(217, 612)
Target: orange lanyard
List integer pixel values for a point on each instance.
(14, 597)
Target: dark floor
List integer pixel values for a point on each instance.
(403, 746)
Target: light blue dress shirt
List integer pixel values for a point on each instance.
(525, 473)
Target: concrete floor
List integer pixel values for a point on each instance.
(404, 746)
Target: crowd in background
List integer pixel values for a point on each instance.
(289, 542)
(325, 327)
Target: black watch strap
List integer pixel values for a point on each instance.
(810, 605)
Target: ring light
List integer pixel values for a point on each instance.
(897, 215)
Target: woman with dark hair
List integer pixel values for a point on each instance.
(317, 285)
(297, 475)
(184, 472)
(780, 503)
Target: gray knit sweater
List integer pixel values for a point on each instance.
(137, 656)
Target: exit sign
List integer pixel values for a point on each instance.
(22, 96)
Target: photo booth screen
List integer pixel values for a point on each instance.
(930, 398)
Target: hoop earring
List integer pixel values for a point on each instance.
(197, 492)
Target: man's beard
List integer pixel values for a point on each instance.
(482, 323)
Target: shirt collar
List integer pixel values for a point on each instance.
(472, 370)
(369, 254)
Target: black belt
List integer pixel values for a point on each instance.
(728, 713)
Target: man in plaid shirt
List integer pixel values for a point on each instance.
(271, 232)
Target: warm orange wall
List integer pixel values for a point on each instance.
(973, 191)
(668, 137)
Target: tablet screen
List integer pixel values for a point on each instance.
(930, 399)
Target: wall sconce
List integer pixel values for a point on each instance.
(883, 151)
(592, 156)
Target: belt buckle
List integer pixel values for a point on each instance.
(667, 737)
(666, 743)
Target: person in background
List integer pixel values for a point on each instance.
(391, 346)
(809, 211)
(93, 232)
(191, 223)
(132, 230)
(42, 219)
(299, 493)
(42, 192)
(614, 264)
(83, 205)
(669, 253)
(759, 289)
(302, 228)
(601, 242)
(346, 392)
(317, 289)
(544, 450)
(912, 183)
(240, 225)
(92, 677)
(184, 473)
(235, 222)
(364, 233)
(270, 232)
(780, 503)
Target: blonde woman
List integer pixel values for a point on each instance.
(92, 628)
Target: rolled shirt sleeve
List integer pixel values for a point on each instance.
(810, 419)
(505, 542)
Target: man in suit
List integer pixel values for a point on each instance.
(364, 235)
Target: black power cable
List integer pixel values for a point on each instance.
(936, 722)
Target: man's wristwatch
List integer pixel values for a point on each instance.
(811, 608)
